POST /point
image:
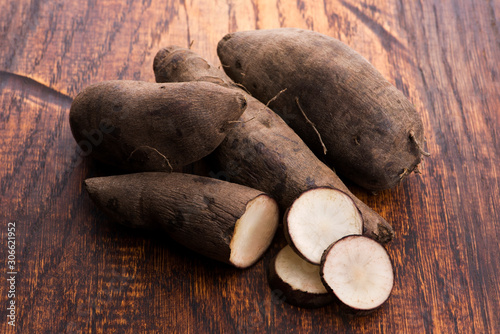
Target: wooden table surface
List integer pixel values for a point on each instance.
(78, 272)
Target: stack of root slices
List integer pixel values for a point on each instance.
(327, 259)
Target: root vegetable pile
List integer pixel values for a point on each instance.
(298, 280)
(334, 106)
(262, 151)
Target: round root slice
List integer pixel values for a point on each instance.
(298, 280)
(318, 218)
(359, 272)
(254, 231)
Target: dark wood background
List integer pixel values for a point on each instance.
(78, 272)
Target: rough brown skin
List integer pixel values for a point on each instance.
(296, 296)
(198, 212)
(142, 126)
(372, 133)
(262, 151)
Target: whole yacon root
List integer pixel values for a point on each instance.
(335, 100)
(224, 221)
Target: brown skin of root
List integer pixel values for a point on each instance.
(262, 151)
(364, 121)
(197, 212)
(141, 126)
(289, 239)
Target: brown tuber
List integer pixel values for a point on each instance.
(335, 100)
(224, 221)
(142, 126)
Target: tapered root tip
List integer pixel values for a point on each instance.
(359, 272)
(90, 185)
(385, 235)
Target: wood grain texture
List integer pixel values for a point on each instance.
(80, 273)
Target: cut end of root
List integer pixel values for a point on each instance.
(298, 273)
(318, 218)
(254, 231)
(359, 272)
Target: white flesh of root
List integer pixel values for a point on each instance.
(298, 273)
(254, 231)
(359, 272)
(318, 218)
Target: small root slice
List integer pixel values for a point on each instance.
(298, 279)
(312, 124)
(359, 272)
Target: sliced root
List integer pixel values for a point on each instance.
(225, 221)
(298, 280)
(359, 272)
(318, 218)
(254, 231)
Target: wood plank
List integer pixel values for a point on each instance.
(78, 272)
